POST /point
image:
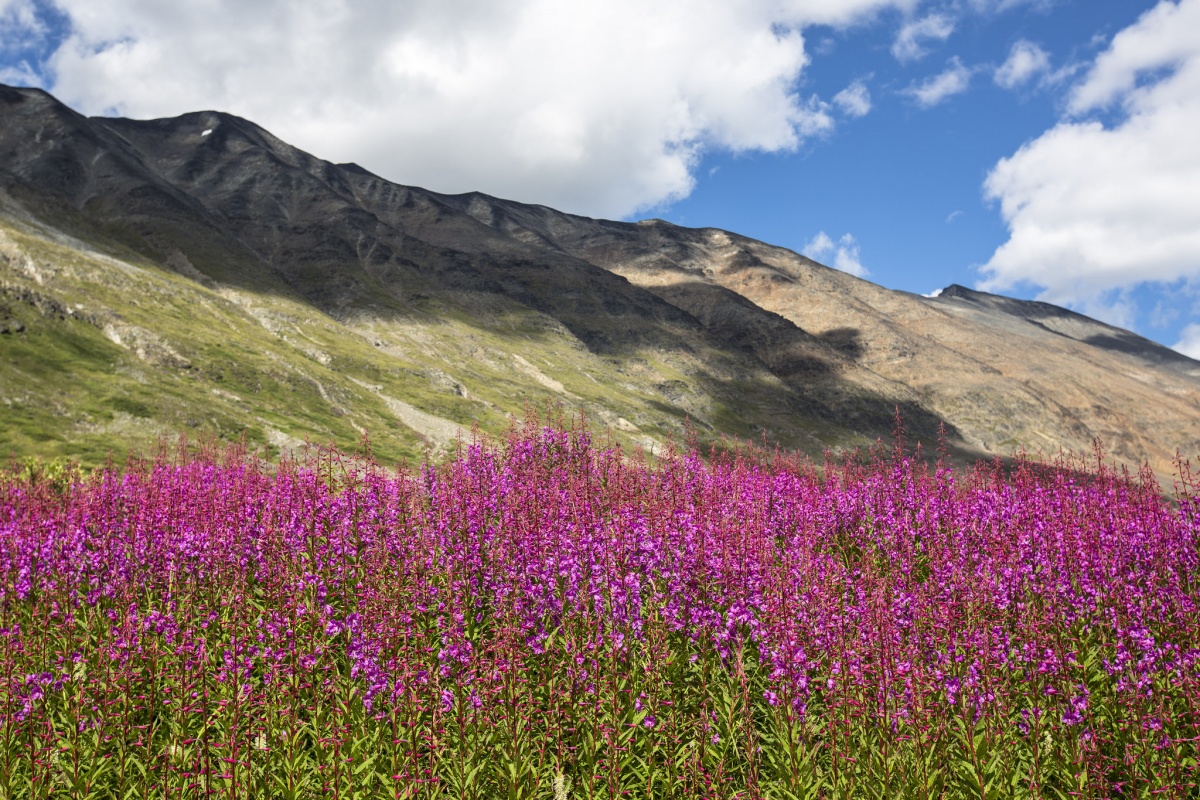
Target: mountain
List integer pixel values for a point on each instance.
(199, 274)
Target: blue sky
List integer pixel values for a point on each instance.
(906, 181)
(1036, 148)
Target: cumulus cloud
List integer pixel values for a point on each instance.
(818, 247)
(595, 106)
(22, 31)
(910, 42)
(22, 74)
(1096, 206)
(1025, 60)
(18, 18)
(1189, 341)
(842, 255)
(955, 79)
(854, 100)
(1167, 37)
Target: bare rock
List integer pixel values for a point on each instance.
(146, 345)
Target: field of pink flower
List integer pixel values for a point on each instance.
(544, 616)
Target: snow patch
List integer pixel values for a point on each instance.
(207, 132)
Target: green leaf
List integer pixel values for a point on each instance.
(366, 763)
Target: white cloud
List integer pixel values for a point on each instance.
(847, 258)
(19, 25)
(1094, 208)
(1115, 307)
(1025, 60)
(955, 79)
(21, 30)
(18, 16)
(953, 215)
(818, 246)
(909, 44)
(828, 12)
(1165, 37)
(594, 106)
(845, 253)
(854, 100)
(21, 74)
(1189, 341)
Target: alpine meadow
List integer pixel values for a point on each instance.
(315, 484)
(543, 616)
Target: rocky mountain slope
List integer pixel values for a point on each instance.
(199, 274)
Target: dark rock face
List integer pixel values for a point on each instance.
(223, 202)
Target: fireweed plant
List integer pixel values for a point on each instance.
(544, 616)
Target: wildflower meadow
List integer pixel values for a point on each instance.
(545, 616)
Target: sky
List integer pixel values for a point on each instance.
(1041, 149)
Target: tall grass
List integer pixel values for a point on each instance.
(543, 616)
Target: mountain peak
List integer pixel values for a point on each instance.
(311, 299)
(1072, 325)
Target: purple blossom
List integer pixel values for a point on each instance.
(883, 589)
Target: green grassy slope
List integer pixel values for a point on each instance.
(108, 352)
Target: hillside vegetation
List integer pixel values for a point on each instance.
(103, 354)
(198, 274)
(545, 617)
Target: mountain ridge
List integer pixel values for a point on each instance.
(647, 326)
(1102, 334)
